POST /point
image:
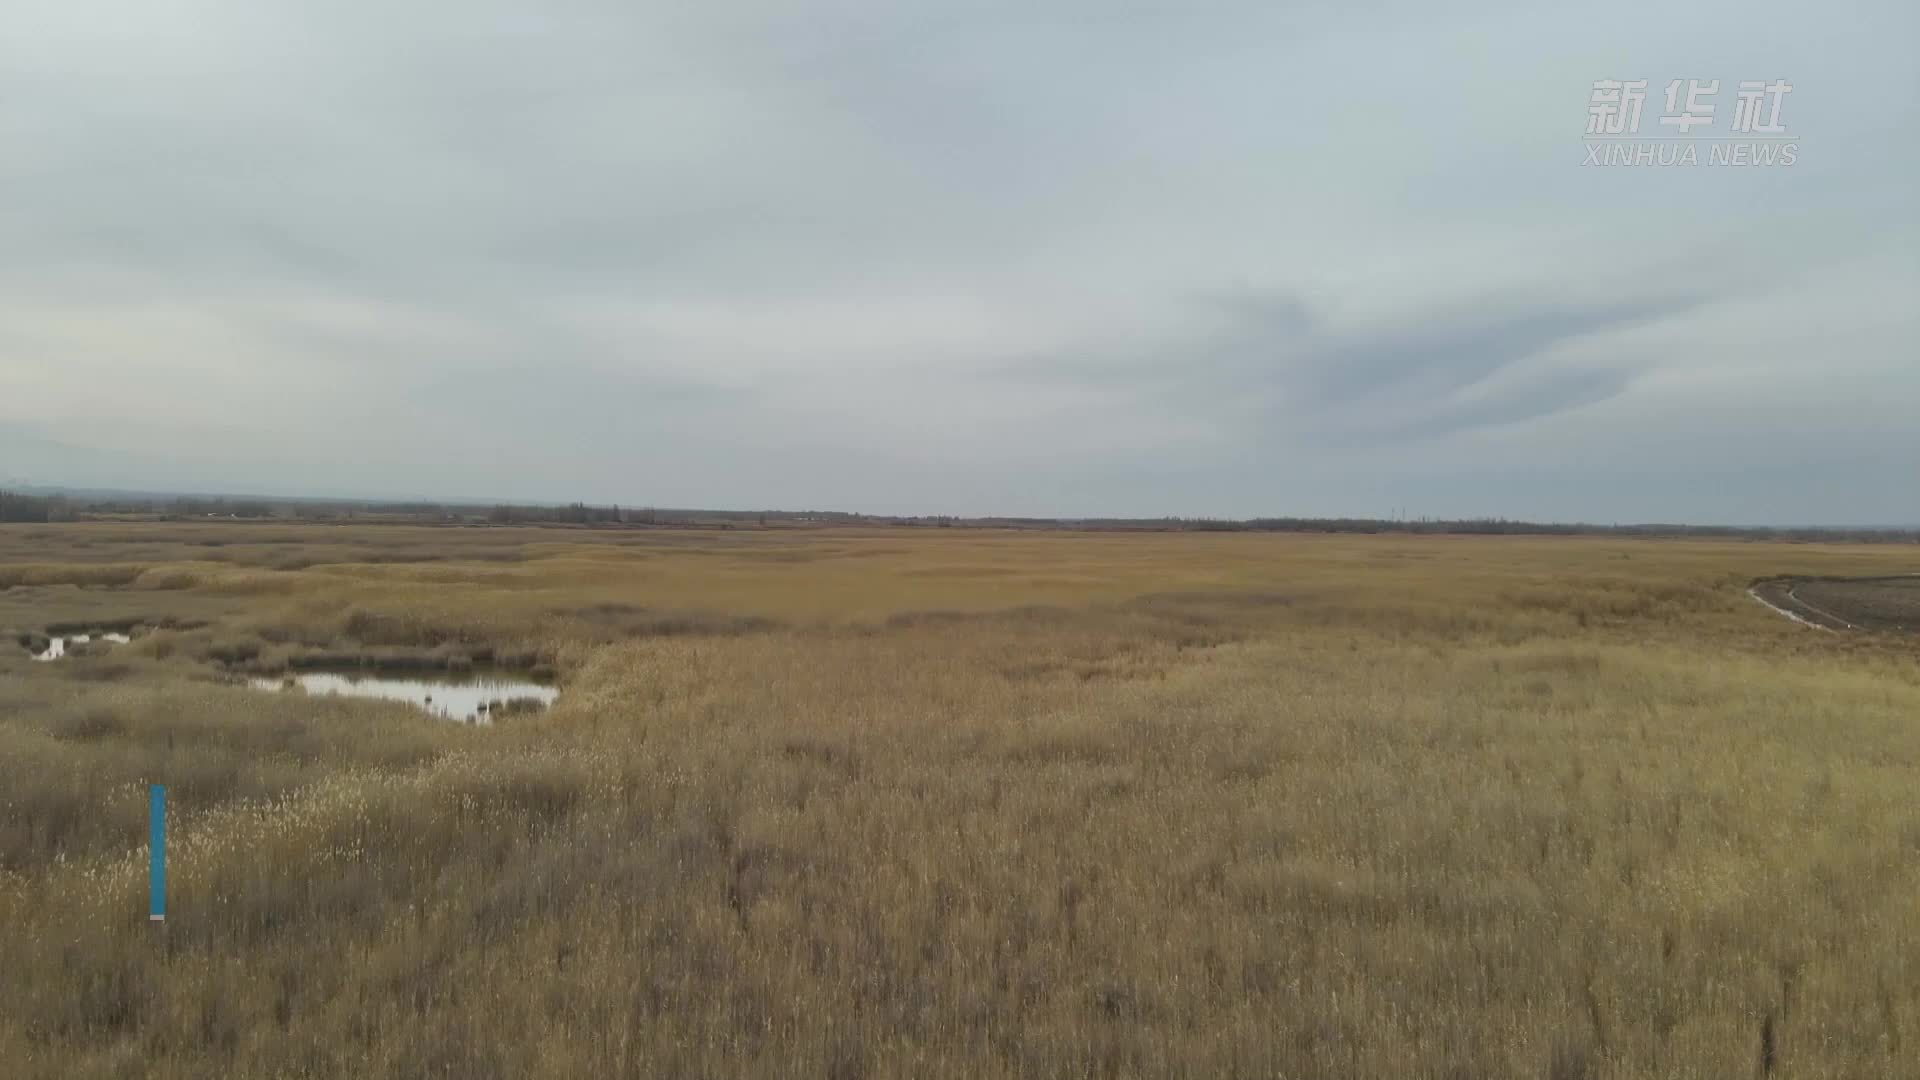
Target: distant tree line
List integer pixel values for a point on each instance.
(69, 506)
(1419, 526)
(183, 506)
(570, 514)
(15, 507)
(219, 507)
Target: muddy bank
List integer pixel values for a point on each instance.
(1883, 604)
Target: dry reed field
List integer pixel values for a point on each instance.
(956, 803)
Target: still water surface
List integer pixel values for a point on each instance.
(467, 699)
(57, 647)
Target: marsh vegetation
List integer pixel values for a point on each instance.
(945, 803)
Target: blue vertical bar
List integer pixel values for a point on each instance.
(157, 850)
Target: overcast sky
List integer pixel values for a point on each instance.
(1071, 257)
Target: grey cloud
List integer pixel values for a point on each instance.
(1533, 398)
(1435, 375)
(1442, 358)
(1260, 258)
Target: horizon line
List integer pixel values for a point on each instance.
(60, 490)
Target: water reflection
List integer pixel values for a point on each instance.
(473, 700)
(57, 647)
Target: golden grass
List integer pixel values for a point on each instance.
(855, 804)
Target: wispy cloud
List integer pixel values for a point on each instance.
(1271, 357)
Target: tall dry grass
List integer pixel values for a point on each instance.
(853, 805)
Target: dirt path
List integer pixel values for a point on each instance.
(1787, 595)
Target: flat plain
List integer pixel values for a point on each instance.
(932, 802)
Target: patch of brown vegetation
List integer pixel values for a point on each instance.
(1168, 805)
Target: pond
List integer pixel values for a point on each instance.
(57, 646)
(470, 699)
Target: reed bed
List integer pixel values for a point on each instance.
(890, 803)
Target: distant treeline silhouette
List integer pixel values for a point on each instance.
(70, 506)
(1508, 527)
(34, 508)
